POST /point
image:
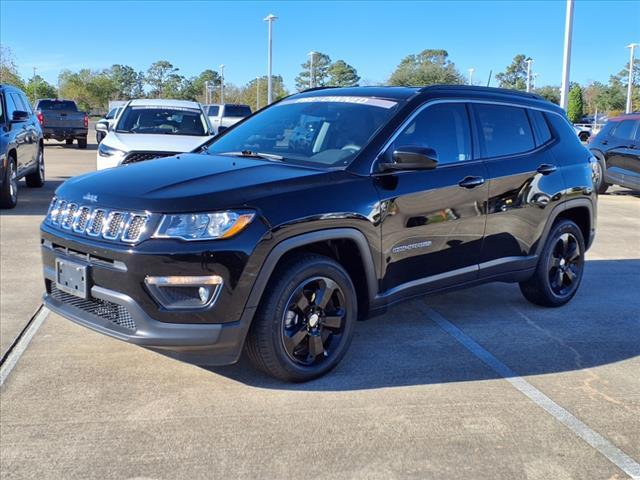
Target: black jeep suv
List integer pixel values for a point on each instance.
(276, 246)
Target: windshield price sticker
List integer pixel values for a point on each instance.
(374, 102)
(163, 107)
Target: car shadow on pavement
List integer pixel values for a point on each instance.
(405, 347)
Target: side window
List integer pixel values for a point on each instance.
(543, 134)
(625, 129)
(11, 107)
(2, 117)
(443, 127)
(27, 104)
(636, 137)
(503, 130)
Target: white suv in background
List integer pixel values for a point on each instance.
(226, 115)
(148, 129)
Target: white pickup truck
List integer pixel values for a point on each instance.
(225, 115)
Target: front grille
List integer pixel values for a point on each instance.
(112, 312)
(133, 157)
(97, 222)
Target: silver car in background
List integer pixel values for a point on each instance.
(225, 115)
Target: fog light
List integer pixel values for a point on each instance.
(184, 292)
(204, 294)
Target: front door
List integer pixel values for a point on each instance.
(433, 221)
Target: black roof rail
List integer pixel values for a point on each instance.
(477, 88)
(326, 87)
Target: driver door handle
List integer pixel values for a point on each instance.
(546, 169)
(471, 182)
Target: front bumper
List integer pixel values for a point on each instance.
(120, 306)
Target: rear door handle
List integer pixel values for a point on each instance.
(471, 182)
(546, 169)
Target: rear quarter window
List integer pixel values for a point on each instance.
(503, 130)
(625, 129)
(543, 133)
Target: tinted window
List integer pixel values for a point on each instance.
(625, 129)
(323, 130)
(503, 130)
(26, 103)
(443, 127)
(158, 119)
(212, 110)
(17, 101)
(542, 127)
(111, 114)
(236, 111)
(1, 108)
(636, 137)
(57, 105)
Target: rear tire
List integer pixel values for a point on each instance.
(601, 186)
(560, 267)
(69, 141)
(36, 179)
(82, 143)
(9, 190)
(305, 321)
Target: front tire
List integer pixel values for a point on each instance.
(305, 321)
(9, 191)
(560, 267)
(36, 179)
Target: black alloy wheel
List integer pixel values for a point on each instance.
(565, 265)
(313, 321)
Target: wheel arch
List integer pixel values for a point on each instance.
(580, 211)
(348, 246)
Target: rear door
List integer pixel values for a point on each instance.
(32, 127)
(524, 182)
(633, 160)
(433, 224)
(621, 150)
(19, 131)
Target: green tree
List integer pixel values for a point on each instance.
(575, 104)
(515, 75)
(159, 75)
(8, 69)
(341, 74)
(256, 90)
(428, 67)
(128, 83)
(321, 64)
(195, 86)
(549, 93)
(38, 87)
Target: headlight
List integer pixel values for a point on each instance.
(105, 151)
(203, 226)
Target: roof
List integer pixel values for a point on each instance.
(164, 103)
(626, 116)
(405, 93)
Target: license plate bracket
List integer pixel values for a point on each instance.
(71, 278)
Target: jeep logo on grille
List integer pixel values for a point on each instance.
(89, 197)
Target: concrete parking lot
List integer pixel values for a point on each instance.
(447, 386)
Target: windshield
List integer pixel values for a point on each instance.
(320, 131)
(212, 110)
(162, 120)
(237, 111)
(57, 105)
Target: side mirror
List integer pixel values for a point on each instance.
(412, 157)
(20, 116)
(102, 127)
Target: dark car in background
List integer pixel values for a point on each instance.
(61, 120)
(617, 148)
(279, 247)
(21, 145)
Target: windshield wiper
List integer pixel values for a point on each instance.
(250, 154)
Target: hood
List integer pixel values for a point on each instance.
(188, 183)
(129, 142)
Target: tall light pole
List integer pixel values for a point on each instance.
(257, 93)
(566, 58)
(471, 70)
(311, 54)
(631, 46)
(221, 84)
(270, 19)
(529, 62)
(35, 85)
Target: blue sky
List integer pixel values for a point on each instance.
(373, 36)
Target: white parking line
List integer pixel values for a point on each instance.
(22, 343)
(623, 461)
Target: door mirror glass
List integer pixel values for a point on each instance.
(19, 116)
(411, 157)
